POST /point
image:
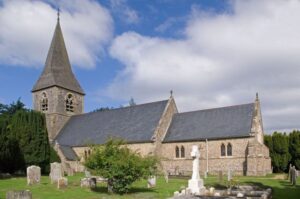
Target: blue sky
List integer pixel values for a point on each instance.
(212, 53)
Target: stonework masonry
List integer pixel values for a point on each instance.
(56, 115)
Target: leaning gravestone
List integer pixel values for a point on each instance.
(19, 195)
(33, 175)
(55, 172)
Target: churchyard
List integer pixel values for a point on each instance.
(281, 188)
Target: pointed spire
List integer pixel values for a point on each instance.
(257, 99)
(57, 70)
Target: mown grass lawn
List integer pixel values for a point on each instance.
(281, 188)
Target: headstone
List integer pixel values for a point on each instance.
(211, 191)
(229, 175)
(151, 182)
(294, 175)
(88, 182)
(19, 195)
(87, 174)
(239, 195)
(289, 174)
(196, 183)
(166, 176)
(62, 183)
(56, 172)
(220, 176)
(33, 175)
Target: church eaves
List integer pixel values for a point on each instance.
(57, 70)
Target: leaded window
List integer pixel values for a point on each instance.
(177, 152)
(229, 149)
(182, 151)
(223, 151)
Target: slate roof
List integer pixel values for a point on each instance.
(133, 124)
(68, 152)
(217, 123)
(57, 70)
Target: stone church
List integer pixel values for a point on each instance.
(228, 137)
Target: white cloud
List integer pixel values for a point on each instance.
(27, 28)
(222, 60)
(124, 12)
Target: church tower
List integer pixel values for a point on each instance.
(57, 93)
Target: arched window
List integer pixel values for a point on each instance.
(223, 152)
(177, 152)
(182, 151)
(69, 103)
(229, 149)
(44, 102)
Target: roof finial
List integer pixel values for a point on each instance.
(171, 93)
(58, 13)
(256, 95)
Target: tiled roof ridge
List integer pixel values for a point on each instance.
(119, 108)
(209, 109)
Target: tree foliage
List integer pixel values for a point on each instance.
(121, 166)
(284, 149)
(294, 148)
(23, 138)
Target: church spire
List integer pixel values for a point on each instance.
(57, 70)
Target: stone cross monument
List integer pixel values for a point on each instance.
(196, 183)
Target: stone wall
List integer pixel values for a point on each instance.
(238, 162)
(163, 125)
(56, 115)
(258, 159)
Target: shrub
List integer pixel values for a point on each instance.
(121, 166)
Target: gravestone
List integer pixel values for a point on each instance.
(196, 183)
(294, 175)
(55, 172)
(220, 176)
(88, 182)
(289, 174)
(33, 175)
(151, 182)
(229, 175)
(19, 195)
(87, 174)
(62, 183)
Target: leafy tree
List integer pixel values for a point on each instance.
(12, 108)
(294, 147)
(23, 138)
(281, 155)
(29, 128)
(121, 166)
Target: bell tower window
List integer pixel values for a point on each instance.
(44, 102)
(70, 103)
